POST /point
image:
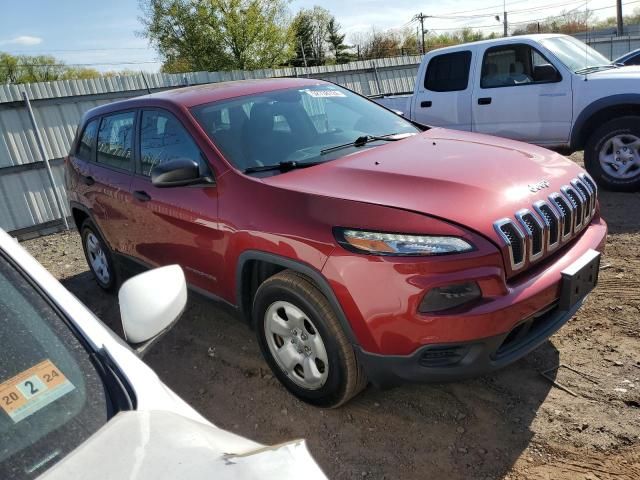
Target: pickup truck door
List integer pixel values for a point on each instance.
(443, 91)
(520, 94)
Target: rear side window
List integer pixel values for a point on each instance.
(448, 72)
(115, 140)
(85, 148)
(163, 138)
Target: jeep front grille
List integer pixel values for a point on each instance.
(533, 233)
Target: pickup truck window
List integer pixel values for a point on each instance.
(448, 72)
(515, 65)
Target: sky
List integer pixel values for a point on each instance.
(103, 34)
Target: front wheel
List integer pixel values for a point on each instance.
(612, 154)
(303, 342)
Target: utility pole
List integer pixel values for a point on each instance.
(504, 18)
(421, 17)
(619, 15)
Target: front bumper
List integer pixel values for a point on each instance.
(456, 361)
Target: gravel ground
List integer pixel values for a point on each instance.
(515, 424)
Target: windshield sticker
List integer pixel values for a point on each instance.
(324, 93)
(32, 390)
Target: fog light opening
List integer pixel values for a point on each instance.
(449, 296)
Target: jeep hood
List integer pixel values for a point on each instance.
(142, 445)
(466, 178)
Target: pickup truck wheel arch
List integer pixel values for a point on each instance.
(276, 263)
(599, 112)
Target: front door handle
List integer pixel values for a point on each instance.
(484, 101)
(426, 104)
(141, 195)
(88, 180)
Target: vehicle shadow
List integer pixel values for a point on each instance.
(471, 429)
(620, 210)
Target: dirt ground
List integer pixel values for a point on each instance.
(515, 424)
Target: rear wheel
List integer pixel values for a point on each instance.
(612, 154)
(303, 342)
(98, 256)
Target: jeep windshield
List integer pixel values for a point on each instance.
(576, 55)
(297, 126)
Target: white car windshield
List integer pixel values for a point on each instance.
(52, 397)
(576, 55)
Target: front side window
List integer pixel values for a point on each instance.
(448, 72)
(295, 125)
(515, 65)
(85, 150)
(51, 396)
(163, 138)
(115, 140)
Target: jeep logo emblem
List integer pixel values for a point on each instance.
(536, 187)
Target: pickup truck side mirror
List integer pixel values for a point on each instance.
(178, 172)
(151, 303)
(545, 73)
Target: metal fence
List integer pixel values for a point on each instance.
(27, 198)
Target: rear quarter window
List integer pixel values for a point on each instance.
(86, 144)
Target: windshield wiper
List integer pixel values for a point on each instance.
(362, 141)
(282, 166)
(596, 67)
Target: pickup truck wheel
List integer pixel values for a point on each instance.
(98, 257)
(303, 343)
(612, 154)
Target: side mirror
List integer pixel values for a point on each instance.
(400, 113)
(545, 73)
(178, 172)
(150, 303)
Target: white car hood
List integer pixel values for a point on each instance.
(626, 72)
(162, 445)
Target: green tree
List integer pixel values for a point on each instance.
(194, 35)
(303, 40)
(39, 68)
(336, 42)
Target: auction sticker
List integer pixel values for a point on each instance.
(32, 390)
(324, 93)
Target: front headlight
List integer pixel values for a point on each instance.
(399, 244)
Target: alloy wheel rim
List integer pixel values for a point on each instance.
(620, 156)
(296, 345)
(97, 259)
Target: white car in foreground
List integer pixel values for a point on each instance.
(77, 402)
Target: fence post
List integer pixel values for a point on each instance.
(43, 154)
(375, 75)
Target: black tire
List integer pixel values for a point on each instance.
(87, 229)
(345, 376)
(629, 125)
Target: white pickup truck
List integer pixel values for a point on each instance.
(551, 90)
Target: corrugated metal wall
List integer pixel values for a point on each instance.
(27, 200)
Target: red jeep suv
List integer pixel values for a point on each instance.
(359, 245)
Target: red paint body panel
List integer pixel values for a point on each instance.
(440, 183)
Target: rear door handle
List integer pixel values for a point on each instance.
(87, 180)
(426, 104)
(484, 101)
(141, 195)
